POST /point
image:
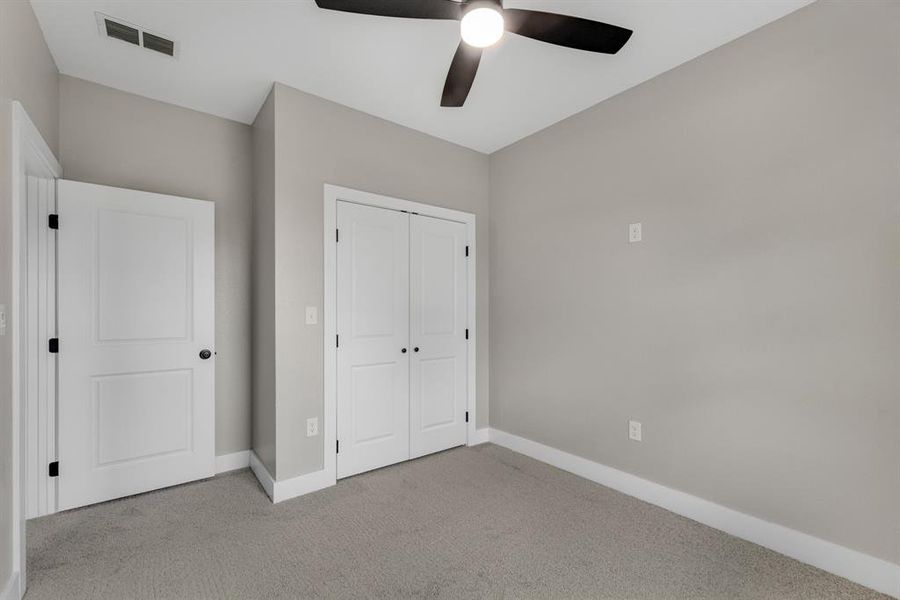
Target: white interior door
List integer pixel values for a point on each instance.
(437, 335)
(136, 310)
(373, 335)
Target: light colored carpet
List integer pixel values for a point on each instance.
(467, 523)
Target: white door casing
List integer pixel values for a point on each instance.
(372, 338)
(39, 311)
(437, 335)
(136, 308)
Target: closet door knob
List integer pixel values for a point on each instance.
(403, 350)
(416, 349)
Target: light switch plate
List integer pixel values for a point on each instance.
(312, 315)
(2, 319)
(312, 427)
(634, 232)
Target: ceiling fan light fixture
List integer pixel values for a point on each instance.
(481, 27)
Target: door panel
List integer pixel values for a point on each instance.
(373, 328)
(438, 329)
(142, 414)
(136, 307)
(144, 260)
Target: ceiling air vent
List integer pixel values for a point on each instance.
(159, 44)
(122, 30)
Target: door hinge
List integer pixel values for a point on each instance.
(53, 221)
(53, 469)
(467, 251)
(337, 446)
(467, 416)
(467, 333)
(53, 345)
(337, 235)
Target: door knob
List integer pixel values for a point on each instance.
(205, 354)
(403, 350)
(416, 349)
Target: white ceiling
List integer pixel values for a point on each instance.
(230, 52)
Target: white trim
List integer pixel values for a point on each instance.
(301, 485)
(481, 436)
(30, 155)
(866, 570)
(233, 461)
(39, 390)
(11, 591)
(278, 491)
(265, 479)
(334, 193)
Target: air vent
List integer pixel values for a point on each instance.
(159, 44)
(118, 29)
(122, 32)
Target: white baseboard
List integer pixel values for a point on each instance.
(480, 436)
(265, 479)
(11, 590)
(233, 461)
(285, 489)
(302, 484)
(866, 570)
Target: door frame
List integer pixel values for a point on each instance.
(333, 194)
(30, 156)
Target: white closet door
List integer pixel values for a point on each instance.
(438, 335)
(373, 335)
(136, 311)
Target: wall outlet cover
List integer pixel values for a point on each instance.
(634, 431)
(312, 427)
(634, 232)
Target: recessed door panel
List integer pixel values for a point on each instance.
(372, 405)
(373, 330)
(136, 307)
(142, 260)
(141, 415)
(438, 334)
(437, 383)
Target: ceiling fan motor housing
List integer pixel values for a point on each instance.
(473, 4)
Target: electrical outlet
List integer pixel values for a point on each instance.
(312, 315)
(634, 232)
(634, 431)
(312, 427)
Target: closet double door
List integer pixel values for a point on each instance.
(401, 346)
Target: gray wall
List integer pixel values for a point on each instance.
(264, 284)
(119, 139)
(318, 142)
(27, 74)
(755, 331)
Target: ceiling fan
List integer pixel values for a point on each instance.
(482, 24)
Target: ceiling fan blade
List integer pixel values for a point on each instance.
(563, 30)
(410, 9)
(462, 72)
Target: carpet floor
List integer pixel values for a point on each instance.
(480, 522)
